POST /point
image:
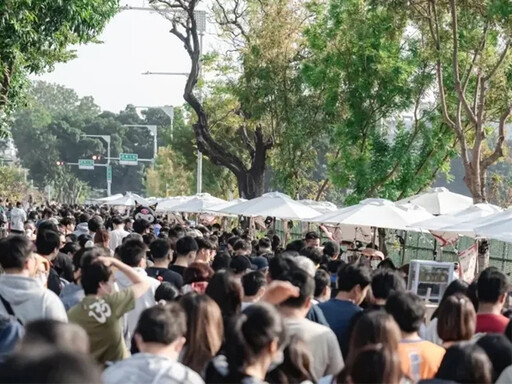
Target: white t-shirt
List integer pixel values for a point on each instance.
(322, 343)
(116, 238)
(18, 218)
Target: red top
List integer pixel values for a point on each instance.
(490, 323)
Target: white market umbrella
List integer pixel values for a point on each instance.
(167, 204)
(378, 213)
(104, 200)
(199, 203)
(320, 206)
(273, 204)
(128, 200)
(497, 227)
(440, 201)
(217, 209)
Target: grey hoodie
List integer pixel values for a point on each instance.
(29, 300)
(150, 369)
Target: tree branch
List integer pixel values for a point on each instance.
(498, 63)
(498, 150)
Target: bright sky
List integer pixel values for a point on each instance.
(133, 42)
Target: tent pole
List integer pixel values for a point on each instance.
(403, 247)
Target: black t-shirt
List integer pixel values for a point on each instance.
(178, 269)
(164, 274)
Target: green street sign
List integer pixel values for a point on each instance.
(109, 173)
(87, 164)
(128, 159)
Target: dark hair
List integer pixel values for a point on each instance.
(203, 243)
(70, 248)
(72, 238)
(47, 242)
(53, 333)
(84, 218)
(232, 240)
(65, 221)
(47, 225)
(197, 272)
(95, 223)
(375, 364)
(167, 291)
(264, 242)
(77, 259)
(331, 248)
(456, 320)
(252, 282)
(221, 261)
(295, 245)
(492, 283)
(387, 263)
(160, 249)
(312, 253)
(15, 251)
(350, 275)
(407, 309)
(311, 236)
(385, 282)
(227, 292)
(456, 286)
(302, 280)
(101, 236)
(465, 363)
(185, 245)
(83, 239)
(140, 225)
(279, 265)
(117, 220)
(242, 245)
(132, 252)
(499, 350)
(162, 324)
(94, 272)
(322, 281)
(296, 366)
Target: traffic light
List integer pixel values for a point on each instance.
(96, 157)
(60, 163)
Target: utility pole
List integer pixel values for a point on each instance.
(109, 179)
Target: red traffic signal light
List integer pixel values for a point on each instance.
(60, 163)
(96, 157)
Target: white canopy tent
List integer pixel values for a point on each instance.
(104, 200)
(440, 201)
(273, 204)
(167, 205)
(128, 200)
(199, 203)
(467, 228)
(497, 227)
(320, 206)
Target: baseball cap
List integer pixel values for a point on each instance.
(240, 264)
(260, 262)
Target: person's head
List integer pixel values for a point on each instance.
(84, 239)
(226, 290)
(161, 329)
(160, 251)
(102, 237)
(205, 330)
(374, 327)
(221, 261)
(240, 265)
(96, 277)
(312, 239)
(95, 223)
(492, 287)
(186, 248)
(465, 363)
(118, 222)
(331, 250)
(167, 292)
(258, 336)
(197, 272)
(67, 224)
(322, 285)
(17, 255)
(306, 284)
(354, 281)
(385, 282)
(242, 248)
(204, 250)
(84, 218)
(295, 245)
(70, 248)
(231, 242)
(499, 350)
(254, 284)
(53, 333)
(297, 363)
(141, 226)
(264, 246)
(456, 319)
(279, 265)
(312, 253)
(377, 364)
(407, 309)
(133, 253)
(48, 244)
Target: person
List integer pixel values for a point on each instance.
(118, 232)
(242, 248)
(205, 331)
(295, 246)
(240, 265)
(322, 286)
(430, 332)
(82, 227)
(254, 343)
(71, 294)
(296, 365)
(265, 248)
(18, 218)
(499, 350)
(492, 291)
(102, 239)
(167, 292)
(160, 336)
(196, 277)
(312, 240)
(254, 284)
(27, 299)
(385, 282)
(100, 311)
(133, 254)
(321, 340)
(314, 254)
(94, 224)
(353, 284)
(221, 261)
(226, 290)
(48, 244)
(456, 320)
(375, 364)
(204, 250)
(161, 254)
(67, 225)
(186, 249)
(420, 359)
(141, 226)
(465, 363)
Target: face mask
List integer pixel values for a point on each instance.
(374, 264)
(41, 279)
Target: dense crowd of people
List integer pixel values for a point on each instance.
(87, 295)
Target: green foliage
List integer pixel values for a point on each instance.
(12, 183)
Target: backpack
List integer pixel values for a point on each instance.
(11, 329)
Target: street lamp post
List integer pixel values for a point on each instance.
(107, 140)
